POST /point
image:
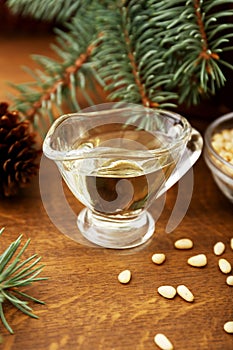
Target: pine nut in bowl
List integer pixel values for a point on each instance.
(218, 153)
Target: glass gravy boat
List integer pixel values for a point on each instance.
(116, 158)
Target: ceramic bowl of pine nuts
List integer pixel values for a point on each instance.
(218, 153)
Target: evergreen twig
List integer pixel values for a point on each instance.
(159, 53)
(16, 274)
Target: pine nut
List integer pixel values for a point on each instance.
(158, 258)
(185, 293)
(229, 280)
(199, 260)
(231, 243)
(183, 243)
(124, 276)
(167, 291)
(224, 266)
(219, 248)
(228, 327)
(163, 342)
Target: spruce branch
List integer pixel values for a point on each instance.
(53, 88)
(195, 42)
(16, 274)
(57, 83)
(129, 68)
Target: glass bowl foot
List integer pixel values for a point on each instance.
(116, 233)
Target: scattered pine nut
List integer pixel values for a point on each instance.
(229, 280)
(124, 276)
(199, 260)
(167, 291)
(219, 248)
(228, 327)
(231, 243)
(183, 243)
(224, 266)
(185, 293)
(163, 342)
(158, 258)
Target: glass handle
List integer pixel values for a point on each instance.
(190, 156)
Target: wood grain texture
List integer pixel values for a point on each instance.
(86, 307)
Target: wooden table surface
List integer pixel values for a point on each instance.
(86, 307)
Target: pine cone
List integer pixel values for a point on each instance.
(17, 152)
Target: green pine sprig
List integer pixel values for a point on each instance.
(15, 274)
(158, 53)
(59, 84)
